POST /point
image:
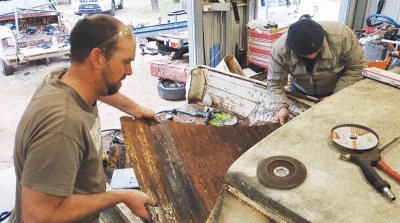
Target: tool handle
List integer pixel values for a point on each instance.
(236, 11)
(200, 113)
(389, 170)
(208, 117)
(370, 174)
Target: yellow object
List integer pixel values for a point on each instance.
(221, 116)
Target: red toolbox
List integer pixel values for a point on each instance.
(259, 45)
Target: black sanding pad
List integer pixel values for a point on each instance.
(281, 172)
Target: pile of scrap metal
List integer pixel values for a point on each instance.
(32, 30)
(34, 22)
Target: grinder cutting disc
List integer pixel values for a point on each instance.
(281, 172)
(354, 137)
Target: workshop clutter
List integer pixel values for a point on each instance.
(114, 152)
(259, 44)
(380, 42)
(231, 65)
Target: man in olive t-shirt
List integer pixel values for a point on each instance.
(58, 151)
(58, 144)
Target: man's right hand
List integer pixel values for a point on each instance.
(136, 201)
(282, 115)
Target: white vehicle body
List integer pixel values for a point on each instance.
(285, 11)
(8, 47)
(80, 7)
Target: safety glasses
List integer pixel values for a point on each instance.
(122, 33)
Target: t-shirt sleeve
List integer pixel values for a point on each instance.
(52, 163)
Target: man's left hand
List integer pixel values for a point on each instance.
(145, 113)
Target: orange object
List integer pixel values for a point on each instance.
(381, 64)
(389, 170)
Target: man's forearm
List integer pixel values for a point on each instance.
(78, 207)
(120, 102)
(277, 95)
(128, 106)
(41, 207)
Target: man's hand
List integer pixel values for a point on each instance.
(143, 112)
(137, 201)
(282, 115)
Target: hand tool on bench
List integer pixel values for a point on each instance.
(366, 157)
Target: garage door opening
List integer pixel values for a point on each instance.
(286, 11)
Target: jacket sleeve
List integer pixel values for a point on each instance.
(353, 59)
(277, 78)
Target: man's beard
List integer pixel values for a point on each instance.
(112, 88)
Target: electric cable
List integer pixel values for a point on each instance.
(380, 18)
(173, 111)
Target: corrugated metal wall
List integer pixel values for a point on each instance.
(355, 12)
(392, 9)
(220, 33)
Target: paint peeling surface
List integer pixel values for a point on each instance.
(176, 70)
(247, 98)
(183, 165)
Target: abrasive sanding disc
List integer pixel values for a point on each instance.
(354, 137)
(281, 172)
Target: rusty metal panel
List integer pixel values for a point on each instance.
(177, 70)
(183, 165)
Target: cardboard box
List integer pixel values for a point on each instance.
(231, 65)
(382, 76)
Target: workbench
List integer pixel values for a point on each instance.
(334, 190)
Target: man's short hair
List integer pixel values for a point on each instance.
(91, 32)
(305, 36)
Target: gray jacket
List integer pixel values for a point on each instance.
(339, 65)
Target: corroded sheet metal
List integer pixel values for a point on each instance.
(183, 165)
